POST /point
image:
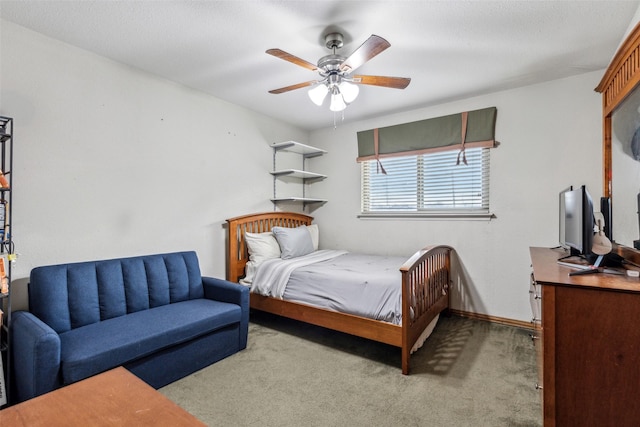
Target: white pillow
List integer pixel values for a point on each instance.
(315, 235)
(261, 247)
(294, 242)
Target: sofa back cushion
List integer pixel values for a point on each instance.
(69, 296)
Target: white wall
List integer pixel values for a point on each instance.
(111, 161)
(550, 137)
(632, 25)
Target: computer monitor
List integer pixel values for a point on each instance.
(576, 221)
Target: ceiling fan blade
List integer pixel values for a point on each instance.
(293, 87)
(292, 58)
(370, 48)
(392, 82)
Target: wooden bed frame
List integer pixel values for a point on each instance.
(425, 288)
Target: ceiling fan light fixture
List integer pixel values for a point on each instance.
(337, 102)
(318, 93)
(335, 69)
(349, 91)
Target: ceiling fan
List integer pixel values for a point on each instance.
(335, 72)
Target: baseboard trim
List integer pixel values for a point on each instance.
(494, 319)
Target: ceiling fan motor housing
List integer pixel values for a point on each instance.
(330, 64)
(334, 40)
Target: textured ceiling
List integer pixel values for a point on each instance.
(450, 49)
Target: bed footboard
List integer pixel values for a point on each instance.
(425, 293)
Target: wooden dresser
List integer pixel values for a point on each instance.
(587, 335)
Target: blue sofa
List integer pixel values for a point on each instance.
(155, 315)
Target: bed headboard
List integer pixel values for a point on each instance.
(237, 254)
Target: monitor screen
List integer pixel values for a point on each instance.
(576, 220)
(571, 219)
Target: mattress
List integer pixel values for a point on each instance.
(364, 285)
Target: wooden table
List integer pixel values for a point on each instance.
(113, 398)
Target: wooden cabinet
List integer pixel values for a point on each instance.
(590, 345)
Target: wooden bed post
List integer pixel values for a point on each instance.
(425, 293)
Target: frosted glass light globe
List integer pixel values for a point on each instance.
(318, 93)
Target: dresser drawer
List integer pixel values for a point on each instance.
(535, 298)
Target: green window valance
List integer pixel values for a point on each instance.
(455, 131)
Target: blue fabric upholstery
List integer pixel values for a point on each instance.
(138, 312)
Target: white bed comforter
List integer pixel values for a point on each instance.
(272, 275)
(363, 285)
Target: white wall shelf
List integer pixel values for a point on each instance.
(298, 148)
(297, 199)
(303, 175)
(300, 174)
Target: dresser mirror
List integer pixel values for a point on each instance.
(625, 169)
(620, 88)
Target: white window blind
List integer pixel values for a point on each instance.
(427, 183)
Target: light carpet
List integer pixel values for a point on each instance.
(468, 373)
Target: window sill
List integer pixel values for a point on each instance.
(454, 216)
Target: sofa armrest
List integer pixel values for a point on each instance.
(225, 291)
(35, 356)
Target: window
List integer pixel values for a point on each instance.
(427, 184)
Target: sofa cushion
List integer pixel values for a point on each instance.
(104, 345)
(69, 296)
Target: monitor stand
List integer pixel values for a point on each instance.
(590, 269)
